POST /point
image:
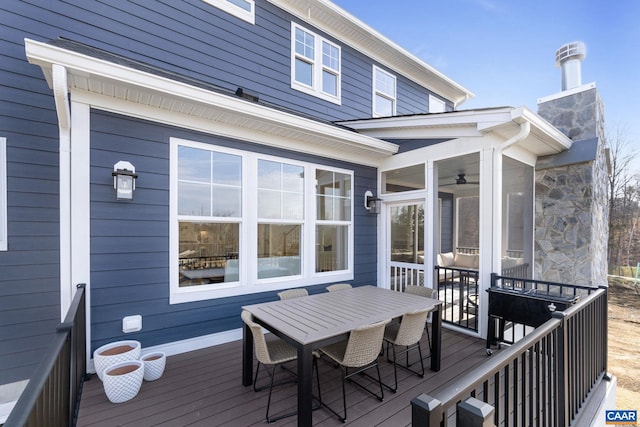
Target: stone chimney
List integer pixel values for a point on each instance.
(571, 209)
(577, 110)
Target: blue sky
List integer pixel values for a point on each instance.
(503, 51)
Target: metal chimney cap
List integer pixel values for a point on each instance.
(569, 51)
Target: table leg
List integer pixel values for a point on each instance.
(247, 356)
(305, 383)
(436, 338)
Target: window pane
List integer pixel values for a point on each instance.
(194, 164)
(304, 44)
(333, 191)
(384, 106)
(293, 206)
(407, 233)
(244, 4)
(280, 190)
(227, 169)
(304, 72)
(330, 56)
(385, 83)
(468, 222)
(331, 247)
(329, 83)
(403, 179)
(208, 253)
(194, 199)
(227, 201)
(278, 250)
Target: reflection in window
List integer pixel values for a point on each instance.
(280, 198)
(333, 200)
(208, 253)
(407, 233)
(332, 248)
(403, 179)
(209, 210)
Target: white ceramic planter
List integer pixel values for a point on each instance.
(115, 352)
(122, 381)
(154, 364)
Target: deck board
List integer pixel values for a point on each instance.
(204, 388)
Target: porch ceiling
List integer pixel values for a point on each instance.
(114, 80)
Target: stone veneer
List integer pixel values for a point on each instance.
(571, 201)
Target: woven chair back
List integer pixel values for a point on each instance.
(364, 345)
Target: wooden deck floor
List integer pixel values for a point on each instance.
(203, 388)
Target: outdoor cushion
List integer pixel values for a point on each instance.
(447, 259)
(466, 261)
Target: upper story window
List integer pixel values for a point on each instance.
(243, 9)
(384, 93)
(315, 64)
(436, 105)
(3, 195)
(243, 222)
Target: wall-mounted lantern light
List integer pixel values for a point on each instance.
(371, 203)
(124, 180)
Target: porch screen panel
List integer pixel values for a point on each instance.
(280, 219)
(209, 215)
(333, 212)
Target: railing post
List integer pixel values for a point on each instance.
(562, 371)
(426, 411)
(472, 412)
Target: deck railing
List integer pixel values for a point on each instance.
(543, 379)
(53, 394)
(458, 290)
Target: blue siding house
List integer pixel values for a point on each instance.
(254, 129)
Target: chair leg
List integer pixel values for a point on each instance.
(407, 366)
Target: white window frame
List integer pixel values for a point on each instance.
(317, 67)
(4, 239)
(249, 283)
(436, 105)
(227, 6)
(376, 92)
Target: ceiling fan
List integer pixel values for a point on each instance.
(461, 180)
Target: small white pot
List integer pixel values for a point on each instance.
(115, 352)
(154, 364)
(122, 381)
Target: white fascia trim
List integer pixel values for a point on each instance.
(340, 24)
(88, 67)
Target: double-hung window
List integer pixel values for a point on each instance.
(333, 204)
(243, 9)
(244, 222)
(384, 93)
(315, 64)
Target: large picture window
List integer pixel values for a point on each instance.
(244, 222)
(315, 64)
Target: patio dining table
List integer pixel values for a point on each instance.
(317, 320)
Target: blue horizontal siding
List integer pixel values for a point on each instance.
(130, 241)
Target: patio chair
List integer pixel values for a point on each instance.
(293, 293)
(359, 352)
(338, 287)
(427, 293)
(406, 333)
(273, 352)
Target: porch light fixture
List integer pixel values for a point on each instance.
(371, 203)
(124, 180)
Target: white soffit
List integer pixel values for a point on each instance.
(110, 80)
(504, 122)
(338, 23)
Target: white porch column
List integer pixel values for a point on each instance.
(490, 217)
